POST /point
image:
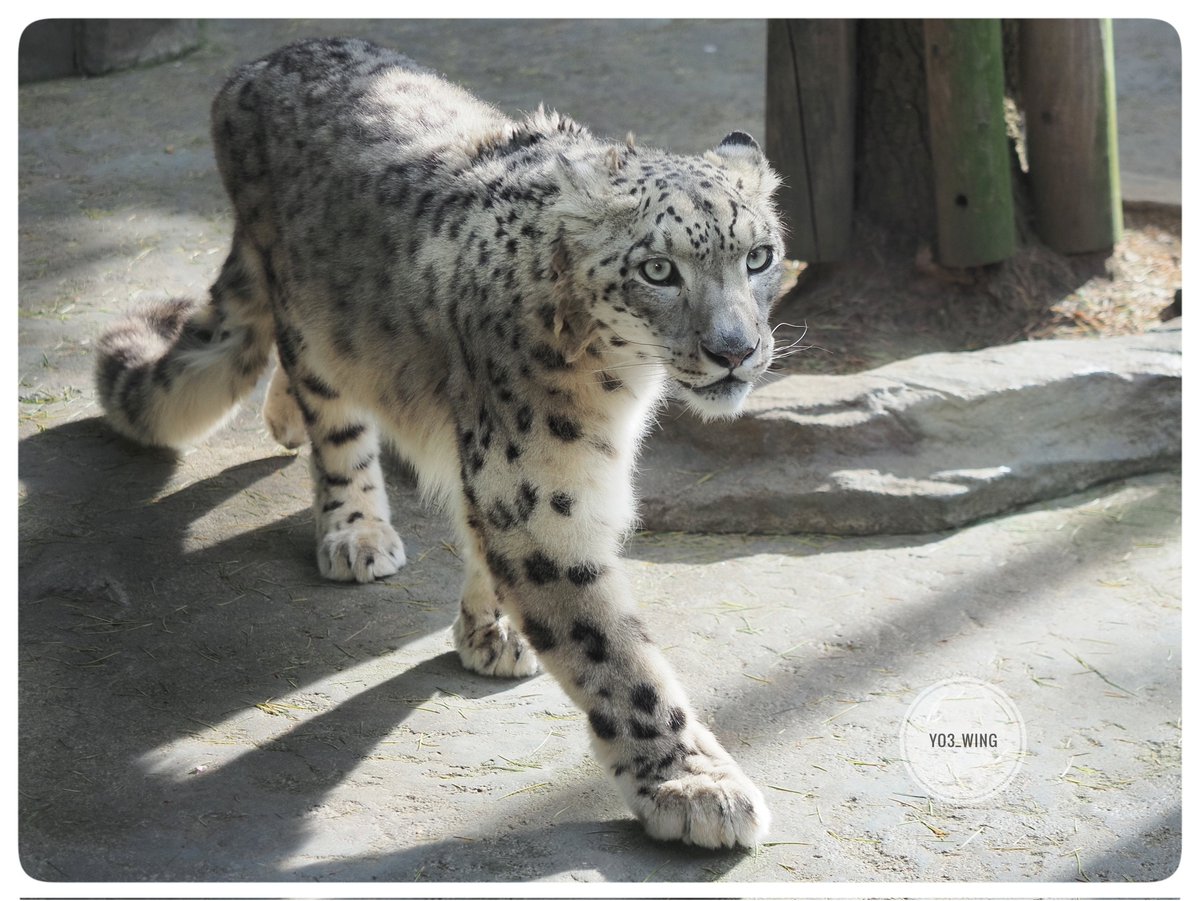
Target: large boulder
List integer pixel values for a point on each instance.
(924, 444)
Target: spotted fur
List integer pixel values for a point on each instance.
(507, 302)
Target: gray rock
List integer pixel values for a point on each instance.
(55, 48)
(107, 45)
(924, 444)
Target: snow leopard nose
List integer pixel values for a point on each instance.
(730, 352)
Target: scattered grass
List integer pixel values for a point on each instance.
(794, 791)
(940, 833)
(842, 712)
(1078, 863)
(271, 707)
(1096, 780)
(1091, 669)
(527, 788)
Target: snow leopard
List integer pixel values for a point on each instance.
(505, 302)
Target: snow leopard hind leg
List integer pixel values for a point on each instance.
(355, 537)
(485, 637)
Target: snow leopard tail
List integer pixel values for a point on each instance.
(171, 373)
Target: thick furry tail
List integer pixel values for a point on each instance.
(173, 372)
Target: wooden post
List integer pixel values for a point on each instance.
(810, 132)
(964, 72)
(1067, 87)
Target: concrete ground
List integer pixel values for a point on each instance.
(197, 704)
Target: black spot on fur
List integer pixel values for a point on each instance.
(602, 725)
(564, 428)
(165, 371)
(289, 343)
(548, 357)
(585, 573)
(642, 730)
(331, 506)
(307, 413)
(512, 452)
(525, 418)
(526, 501)
(609, 382)
(677, 719)
(595, 643)
(318, 387)
(540, 569)
(501, 516)
(133, 399)
(561, 503)
(501, 568)
(675, 754)
(539, 634)
(345, 435)
(644, 697)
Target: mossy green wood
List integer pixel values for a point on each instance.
(1068, 92)
(810, 132)
(964, 72)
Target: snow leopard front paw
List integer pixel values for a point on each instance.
(363, 550)
(493, 648)
(697, 794)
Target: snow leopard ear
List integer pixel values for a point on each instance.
(589, 193)
(740, 153)
(581, 175)
(738, 144)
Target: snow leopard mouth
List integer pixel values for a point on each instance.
(720, 388)
(721, 398)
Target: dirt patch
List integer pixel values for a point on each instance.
(849, 317)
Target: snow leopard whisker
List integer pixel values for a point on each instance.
(645, 344)
(802, 326)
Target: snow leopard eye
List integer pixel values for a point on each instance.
(759, 259)
(658, 271)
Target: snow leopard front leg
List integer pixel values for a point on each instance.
(551, 550)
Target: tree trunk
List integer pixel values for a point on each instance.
(972, 185)
(894, 184)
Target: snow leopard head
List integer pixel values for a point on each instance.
(678, 259)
